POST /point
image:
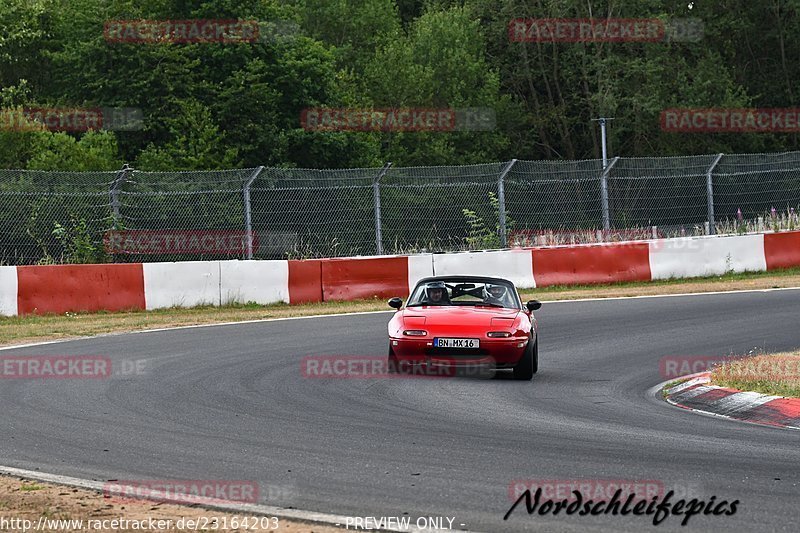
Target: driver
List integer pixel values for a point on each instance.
(496, 294)
(436, 294)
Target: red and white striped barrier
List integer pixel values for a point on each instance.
(115, 287)
(591, 264)
(782, 250)
(8, 291)
(61, 288)
(514, 265)
(370, 277)
(706, 256)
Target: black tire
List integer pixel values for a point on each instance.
(529, 363)
(391, 362)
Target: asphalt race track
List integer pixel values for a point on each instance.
(229, 402)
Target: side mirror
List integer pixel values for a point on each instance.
(533, 305)
(396, 302)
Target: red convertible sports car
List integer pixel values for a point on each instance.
(457, 321)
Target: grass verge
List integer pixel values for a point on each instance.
(34, 328)
(36, 501)
(777, 374)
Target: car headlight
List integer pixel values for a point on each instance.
(500, 334)
(415, 332)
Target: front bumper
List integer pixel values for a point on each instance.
(497, 353)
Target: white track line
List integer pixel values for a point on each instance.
(192, 326)
(710, 293)
(256, 509)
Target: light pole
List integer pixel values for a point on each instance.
(604, 176)
(603, 138)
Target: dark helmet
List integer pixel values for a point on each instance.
(435, 286)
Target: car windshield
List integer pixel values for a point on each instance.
(466, 292)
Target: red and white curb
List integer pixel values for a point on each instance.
(698, 395)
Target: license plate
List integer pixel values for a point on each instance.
(456, 343)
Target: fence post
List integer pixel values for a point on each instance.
(501, 201)
(712, 230)
(604, 194)
(248, 219)
(113, 193)
(376, 196)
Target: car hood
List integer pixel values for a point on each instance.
(458, 315)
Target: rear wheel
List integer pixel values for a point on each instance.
(529, 363)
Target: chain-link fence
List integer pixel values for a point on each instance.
(278, 213)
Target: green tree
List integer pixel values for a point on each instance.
(439, 62)
(61, 151)
(196, 143)
(354, 28)
(24, 40)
